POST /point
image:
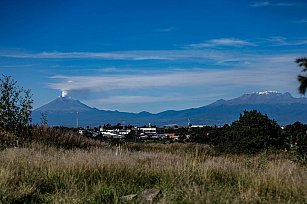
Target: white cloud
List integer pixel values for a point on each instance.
(283, 4)
(229, 42)
(261, 4)
(301, 21)
(166, 30)
(282, 41)
(137, 55)
(120, 55)
(277, 39)
(17, 65)
(107, 83)
(268, 3)
(189, 54)
(262, 71)
(133, 55)
(125, 55)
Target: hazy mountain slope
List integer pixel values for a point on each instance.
(284, 108)
(63, 112)
(65, 104)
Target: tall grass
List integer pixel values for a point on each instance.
(62, 138)
(41, 174)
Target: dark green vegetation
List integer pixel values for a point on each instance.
(302, 62)
(252, 133)
(15, 106)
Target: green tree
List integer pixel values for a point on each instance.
(253, 132)
(44, 120)
(296, 140)
(15, 106)
(302, 62)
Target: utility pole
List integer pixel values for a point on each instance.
(77, 119)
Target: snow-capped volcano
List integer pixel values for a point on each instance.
(64, 104)
(263, 97)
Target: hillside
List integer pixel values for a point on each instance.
(284, 108)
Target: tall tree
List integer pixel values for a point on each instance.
(15, 106)
(253, 132)
(302, 62)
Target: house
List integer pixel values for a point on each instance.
(114, 133)
(149, 130)
(198, 126)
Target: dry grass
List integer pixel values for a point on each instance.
(102, 175)
(62, 138)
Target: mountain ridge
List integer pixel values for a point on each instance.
(262, 98)
(279, 106)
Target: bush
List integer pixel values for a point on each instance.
(296, 140)
(253, 132)
(8, 139)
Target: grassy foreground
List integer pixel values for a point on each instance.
(184, 173)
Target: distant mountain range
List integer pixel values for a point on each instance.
(284, 108)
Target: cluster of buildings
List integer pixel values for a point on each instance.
(143, 133)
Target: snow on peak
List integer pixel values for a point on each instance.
(267, 92)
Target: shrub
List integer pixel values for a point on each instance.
(253, 132)
(296, 140)
(8, 139)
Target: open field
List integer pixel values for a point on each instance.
(185, 173)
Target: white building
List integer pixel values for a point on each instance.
(149, 130)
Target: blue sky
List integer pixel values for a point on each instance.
(152, 55)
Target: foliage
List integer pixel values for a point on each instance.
(8, 139)
(200, 135)
(302, 62)
(217, 135)
(44, 120)
(296, 142)
(253, 132)
(15, 106)
(131, 136)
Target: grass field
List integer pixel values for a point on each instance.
(185, 173)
